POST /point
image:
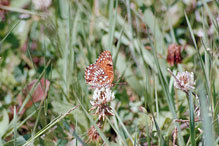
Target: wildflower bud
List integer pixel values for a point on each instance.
(174, 54)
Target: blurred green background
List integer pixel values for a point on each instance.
(52, 41)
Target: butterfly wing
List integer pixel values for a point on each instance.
(100, 74)
(92, 75)
(105, 62)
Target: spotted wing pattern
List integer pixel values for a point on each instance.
(100, 74)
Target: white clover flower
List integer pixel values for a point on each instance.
(109, 95)
(184, 81)
(103, 95)
(96, 94)
(41, 4)
(101, 98)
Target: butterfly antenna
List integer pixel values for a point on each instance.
(124, 83)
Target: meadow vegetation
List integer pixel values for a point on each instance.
(46, 46)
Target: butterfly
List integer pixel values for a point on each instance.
(100, 74)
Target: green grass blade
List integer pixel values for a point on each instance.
(78, 138)
(116, 129)
(112, 22)
(150, 20)
(209, 137)
(116, 52)
(37, 119)
(15, 125)
(131, 43)
(191, 121)
(197, 51)
(47, 127)
(12, 28)
(123, 126)
(19, 10)
(9, 132)
(211, 16)
(162, 141)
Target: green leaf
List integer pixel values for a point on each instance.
(4, 121)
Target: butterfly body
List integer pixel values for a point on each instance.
(100, 74)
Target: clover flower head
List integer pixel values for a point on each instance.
(184, 81)
(101, 98)
(103, 95)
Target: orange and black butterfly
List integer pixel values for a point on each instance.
(100, 74)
